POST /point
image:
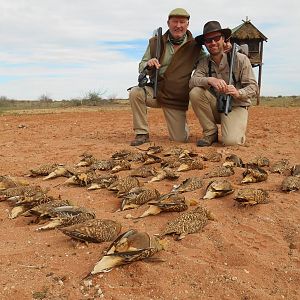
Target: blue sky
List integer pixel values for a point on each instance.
(65, 49)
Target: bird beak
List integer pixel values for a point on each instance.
(70, 180)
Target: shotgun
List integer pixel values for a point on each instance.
(224, 102)
(143, 79)
(157, 55)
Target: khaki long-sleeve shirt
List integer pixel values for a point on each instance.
(245, 79)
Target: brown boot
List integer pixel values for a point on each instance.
(140, 139)
(208, 140)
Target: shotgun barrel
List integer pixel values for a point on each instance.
(157, 56)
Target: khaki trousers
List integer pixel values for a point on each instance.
(140, 99)
(233, 126)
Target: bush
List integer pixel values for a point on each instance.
(93, 98)
(45, 98)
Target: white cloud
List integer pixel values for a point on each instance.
(54, 46)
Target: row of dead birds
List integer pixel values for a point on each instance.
(172, 162)
(80, 223)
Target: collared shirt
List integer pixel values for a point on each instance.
(166, 59)
(245, 79)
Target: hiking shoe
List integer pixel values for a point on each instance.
(140, 139)
(208, 140)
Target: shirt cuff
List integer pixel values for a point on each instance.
(205, 82)
(242, 94)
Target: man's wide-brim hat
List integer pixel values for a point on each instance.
(213, 26)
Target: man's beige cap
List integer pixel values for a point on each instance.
(179, 12)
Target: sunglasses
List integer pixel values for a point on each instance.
(210, 40)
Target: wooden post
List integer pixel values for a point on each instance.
(259, 72)
(259, 83)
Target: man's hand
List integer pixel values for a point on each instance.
(153, 62)
(218, 84)
(227, 47)
(231, 90)
(222, 87)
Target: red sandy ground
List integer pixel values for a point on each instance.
(248, 253)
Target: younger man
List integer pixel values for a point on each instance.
(210, 80)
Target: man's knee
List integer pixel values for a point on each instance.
(178, 134)
(233, 140)
(196, 93)
(136, 93)
(200, 95)
(182, 139)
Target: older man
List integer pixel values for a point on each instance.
(178, 58)
(210, 81)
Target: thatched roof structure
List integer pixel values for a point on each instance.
(247, 31)
(249, 35)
